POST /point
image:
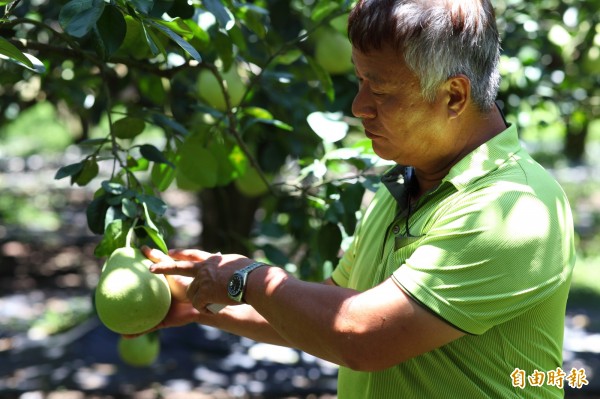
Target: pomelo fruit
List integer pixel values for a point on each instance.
(140, 351)
(333, 51)
(129, 298)
(251, 184)
(340, 24)
(210, 90)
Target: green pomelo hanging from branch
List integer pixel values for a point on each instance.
(129, 298)
(140, 351)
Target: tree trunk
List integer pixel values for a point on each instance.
(575, 142)
(227, 218)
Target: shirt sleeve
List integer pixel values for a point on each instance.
(488, 258)
(341, 274)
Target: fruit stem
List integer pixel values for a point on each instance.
(129, 235)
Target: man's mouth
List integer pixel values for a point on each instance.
(370, 134)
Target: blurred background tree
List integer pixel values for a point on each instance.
(247, 104)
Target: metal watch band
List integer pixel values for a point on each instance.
(251, 266)
(241, 277)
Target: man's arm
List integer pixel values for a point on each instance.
(244, 320)
(365, 331)
(369, 330)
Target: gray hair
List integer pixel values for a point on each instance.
(438, 38)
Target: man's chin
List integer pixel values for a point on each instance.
(382, 151)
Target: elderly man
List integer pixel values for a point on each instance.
(459, 272)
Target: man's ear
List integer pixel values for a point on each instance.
(458, 90)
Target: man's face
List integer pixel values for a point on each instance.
(402, 125)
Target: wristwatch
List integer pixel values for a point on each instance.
(237, 283)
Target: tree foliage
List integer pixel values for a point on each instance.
(228, 85)
(551, 71)
(244, 103)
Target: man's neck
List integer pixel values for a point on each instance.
(482, 128)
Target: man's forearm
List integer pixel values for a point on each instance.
(307, 316)
(244, 321)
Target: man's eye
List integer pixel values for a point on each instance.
(377, 94)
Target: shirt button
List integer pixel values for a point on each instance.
(395, 229)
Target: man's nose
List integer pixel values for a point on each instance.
(363, 106)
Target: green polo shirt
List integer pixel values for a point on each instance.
(490, 252)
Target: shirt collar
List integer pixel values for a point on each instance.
(398, 181)
(484, 159)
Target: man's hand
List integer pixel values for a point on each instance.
(181, 311)
(210, 273)
(177, 284)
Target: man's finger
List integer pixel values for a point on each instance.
(155, 255)
(180, 268)
(195, 255)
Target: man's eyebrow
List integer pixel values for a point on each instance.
(367, 75)
(374, 79)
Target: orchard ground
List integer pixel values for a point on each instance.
(53, 346)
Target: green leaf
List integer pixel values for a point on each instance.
(11, 51)
(137, 164)
(274, 122)
(160, 7)
(153, 204)
(178, 26)
(289, 57)
(257, 112)
(324, 78)
(87, 173)
(261, 115)
(96, 213)
(224, 17)
(112, 29)
(329, 241)
(113, 187)
(114, 213)
(238, 38)
(181, 9)
(224, 47)
(254, 20)
(69, 170)
(226, 172)
(157, 238)
(38, 66)
(129, 208)
(153, 231)
(143, 6)
(169, 124)
(323, 9)
(151, 153)
(162, 175)
(114, 237)
(275, 255)
(128, 127)
(201, 36)
(152, 43)
(329, 126)
(179, 40)
(78, 17)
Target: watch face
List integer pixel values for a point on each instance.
(236, 283)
